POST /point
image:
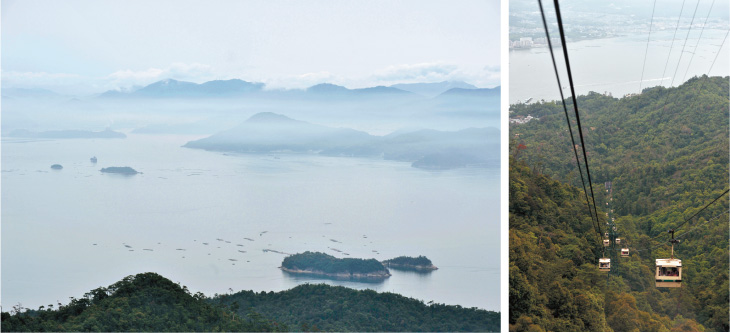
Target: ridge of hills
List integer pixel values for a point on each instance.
(238, 88)
(150, 302)
(268, 132)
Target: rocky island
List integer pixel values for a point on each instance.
(121, 170)
(56, 167)
(317, 263)
(419, 263)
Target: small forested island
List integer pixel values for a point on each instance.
(56, 167)
(318, 263)
(419, 263)
(123, 170)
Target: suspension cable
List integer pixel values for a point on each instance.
(647, 46)
(575, 105)
(567, 119)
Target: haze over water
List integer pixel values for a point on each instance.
(615, 65)
(284, 202)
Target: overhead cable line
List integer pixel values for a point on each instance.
(703, 208)
(718, 52)
(567, 119)
(685, 42)
(575, 105)
(695, 214)
(698, 41)
(647, 45)
(686, 232)
(672, 45)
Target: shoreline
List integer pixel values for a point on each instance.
(374, 275)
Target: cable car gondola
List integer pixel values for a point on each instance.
(668, 273)
(604, 264)
(618, 240)
(605, 242)
(625, 252)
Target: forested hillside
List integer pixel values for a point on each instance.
(150, 302)
(666, 153)
(328, 308)
(144, 302)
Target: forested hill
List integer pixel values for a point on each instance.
(554, 281)
(329, 308)
(150, 302)
(660, 148)
(666, 153)
(143, 302)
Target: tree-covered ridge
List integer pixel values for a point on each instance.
(144, 302)
(152, 303)
(412, 261)
(332, 308)
(123, 170)
(321, 262)
(666, 153)
(661, 148)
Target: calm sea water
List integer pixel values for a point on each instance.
(64, 231)
(615, 64)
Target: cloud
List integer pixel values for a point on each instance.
(485, 76)
(302, 81)
(194, 72)
(128, 79)
(416, 72)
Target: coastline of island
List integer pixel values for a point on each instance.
(321, 264)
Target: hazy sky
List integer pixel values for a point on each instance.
(91, 46)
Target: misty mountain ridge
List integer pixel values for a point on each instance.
(179, 107)
(175, 88)
(433, 89)
(235, 87)
(269, 132)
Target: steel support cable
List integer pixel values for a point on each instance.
(575, 105)
(672, 45)
(681, 53)
(693, 215)
(703, 208)
(718, 52)
(686, 232)
(698, 41)
(567, 119)
(693, 104)
(685, 42)
(647, 46)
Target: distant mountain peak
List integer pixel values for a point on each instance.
(434, 88)
(269, 117)
(327, 88)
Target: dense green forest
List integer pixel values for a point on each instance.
(666, 153)
(322, 262)
(150, 302)
(412, 261)
(144, 302)
(328, 308)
